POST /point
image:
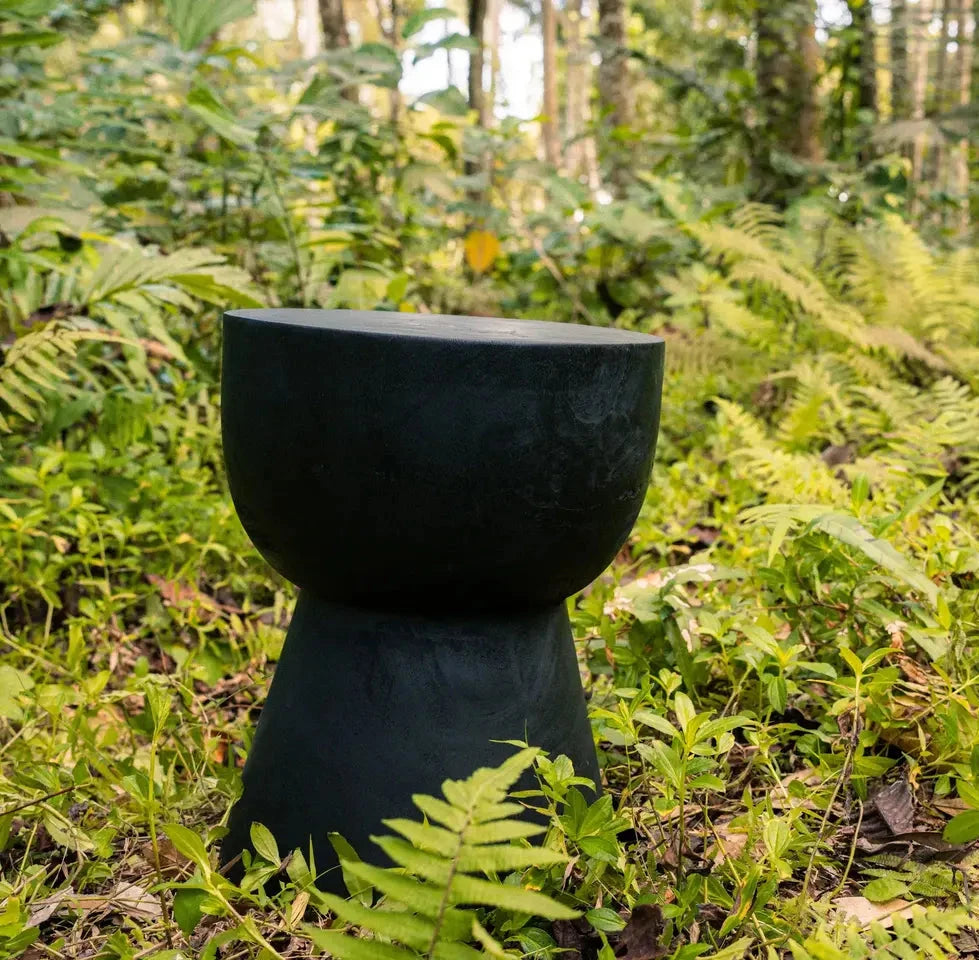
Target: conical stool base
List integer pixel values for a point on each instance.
(368, 708)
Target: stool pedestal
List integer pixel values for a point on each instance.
(366, 709)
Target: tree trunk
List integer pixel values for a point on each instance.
(900, 88)
(580, 155)
(963, 70)
(808, 143)
(613, 83)
(391, 28)
(492, 30)
(549, 126)
(863, 18)
(576, 82)
(940, 98)
(334, 22)
(919, 91)
(477, 30)
(335, 35)
(786, 76)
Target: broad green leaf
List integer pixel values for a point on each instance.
(654, 720)
(969, 793)
(605, 919)
(850, 531)
(449, 101)
(188, 843)
(963, 828)
(14, 684)
(356, 887)
(51, 158)
(777, 691)
(417, 20)
(722, 725)
(454, 41)
(187, 902)
(779, 533)
(195, 21)
(205, 102)
(209, 290)
(30, 38)
(264, 843)
(885, 888)
(360, 289)
(684, 709)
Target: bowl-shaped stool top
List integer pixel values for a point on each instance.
(418, 462)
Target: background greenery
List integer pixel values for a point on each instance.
(781, 663)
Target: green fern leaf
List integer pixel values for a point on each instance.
(343, 947)
(426, 900)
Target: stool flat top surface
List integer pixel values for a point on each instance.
(444, 327)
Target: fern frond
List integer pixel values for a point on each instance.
(198, 272)
(447, 861)
(927, 933)
(34, 363)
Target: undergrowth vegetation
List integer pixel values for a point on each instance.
(781, 665)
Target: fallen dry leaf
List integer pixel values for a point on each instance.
(639, 939)
(44, 909)
(728, 845)
(129, 899)
(134, 901)
(861, 910)
(895, 804)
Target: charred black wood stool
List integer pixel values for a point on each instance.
(437, 487)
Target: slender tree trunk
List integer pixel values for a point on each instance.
(808, 142)
(549, 127)
(862, 12)
(492, 29)
(919, 91)
(308, 31)
(334, 22)
(613, 84)
(900, 87)
(333, 19)
(963, 70)
(580, 155)
(477, 94)
(576, 85)
(391, 28)
(786, 75)
(863, 18)
(939, 99)
(477, 30)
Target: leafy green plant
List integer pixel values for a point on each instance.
(426, 903)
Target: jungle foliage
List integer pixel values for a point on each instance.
(781, 665)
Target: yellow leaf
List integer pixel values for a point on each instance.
(482, 248)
